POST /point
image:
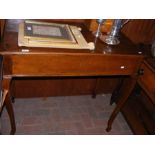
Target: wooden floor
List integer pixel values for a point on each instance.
(71, 115)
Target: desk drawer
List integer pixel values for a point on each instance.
(73, 65)
(147, 80)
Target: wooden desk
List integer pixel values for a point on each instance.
(49, 62)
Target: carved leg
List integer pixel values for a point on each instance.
(8, 104)
(127, 89)
(116, 92)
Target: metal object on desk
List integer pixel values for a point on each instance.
(113, 37)
(100, 23)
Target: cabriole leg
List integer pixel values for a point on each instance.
(126, 91)
(8, 104)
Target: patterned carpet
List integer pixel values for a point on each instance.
(71, 115)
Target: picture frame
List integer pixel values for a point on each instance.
(43, 31)
(52, 35)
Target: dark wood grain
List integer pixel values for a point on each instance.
(72, 65)
(44, 87)
(140, 30)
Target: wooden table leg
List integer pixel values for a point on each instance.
(8, 104)
(126, 91)
(96, 83)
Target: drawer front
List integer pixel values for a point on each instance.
(73, 65)
(147, 80)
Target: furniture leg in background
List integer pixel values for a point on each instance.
(116, 93)
(94, 92)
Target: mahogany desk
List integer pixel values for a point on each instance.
(122, 59)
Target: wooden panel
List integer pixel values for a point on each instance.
(45, 87)
(140, 30)
(73, 65)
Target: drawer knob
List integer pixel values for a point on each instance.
(122, 67)
(141, 71)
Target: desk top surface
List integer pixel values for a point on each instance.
(10, 44)
(122, 59)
